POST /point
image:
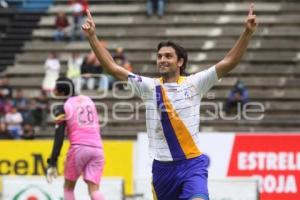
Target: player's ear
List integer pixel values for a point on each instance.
(180, 62)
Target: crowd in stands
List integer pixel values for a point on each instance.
(84, 70)
(71, 29)
(66, 29)
(21, 116)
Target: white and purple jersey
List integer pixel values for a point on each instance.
(173, 113)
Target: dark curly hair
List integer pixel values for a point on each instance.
(66, 86)
(180, 52)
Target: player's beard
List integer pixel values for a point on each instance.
(166, 69)
(169, 73)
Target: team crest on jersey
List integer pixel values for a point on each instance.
(187, 94)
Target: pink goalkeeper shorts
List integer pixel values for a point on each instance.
(85, 160)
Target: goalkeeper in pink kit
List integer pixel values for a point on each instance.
(77, 117)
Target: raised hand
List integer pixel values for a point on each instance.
(89, 26)
(251, 22)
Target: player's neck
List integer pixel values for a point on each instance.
(170, 79)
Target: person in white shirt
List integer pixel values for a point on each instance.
(14, 121)
(172, 102)
(52, 69)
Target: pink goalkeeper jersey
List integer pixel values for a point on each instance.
(82, 121)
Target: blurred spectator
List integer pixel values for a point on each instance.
(3, 110)
(78, 12)
(3, 4)
(5, 99)
(23, 105)
(5, 106)
(3, 131)
(14, 121)
(6, 90)
(157, 6)
(121, 60)
(28, 132)
(52, 68)
(84, 4)
(61, 25)
(74, 70)
(2, 119)
(89, 68)
(39, 111)
(237, 95)
(105, 82)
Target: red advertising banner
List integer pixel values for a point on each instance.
(273, 159)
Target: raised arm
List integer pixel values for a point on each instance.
(101, 52)
(234, 56)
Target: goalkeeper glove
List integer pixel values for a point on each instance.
(51, 174)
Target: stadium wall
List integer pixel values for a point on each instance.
(29, 158)
(273, 159)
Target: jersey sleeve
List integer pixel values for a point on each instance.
(59, 114)
(141, 85)
(57, 145)
(204, 80)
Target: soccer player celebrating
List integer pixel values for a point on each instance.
(79, 117)
(172, 111)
